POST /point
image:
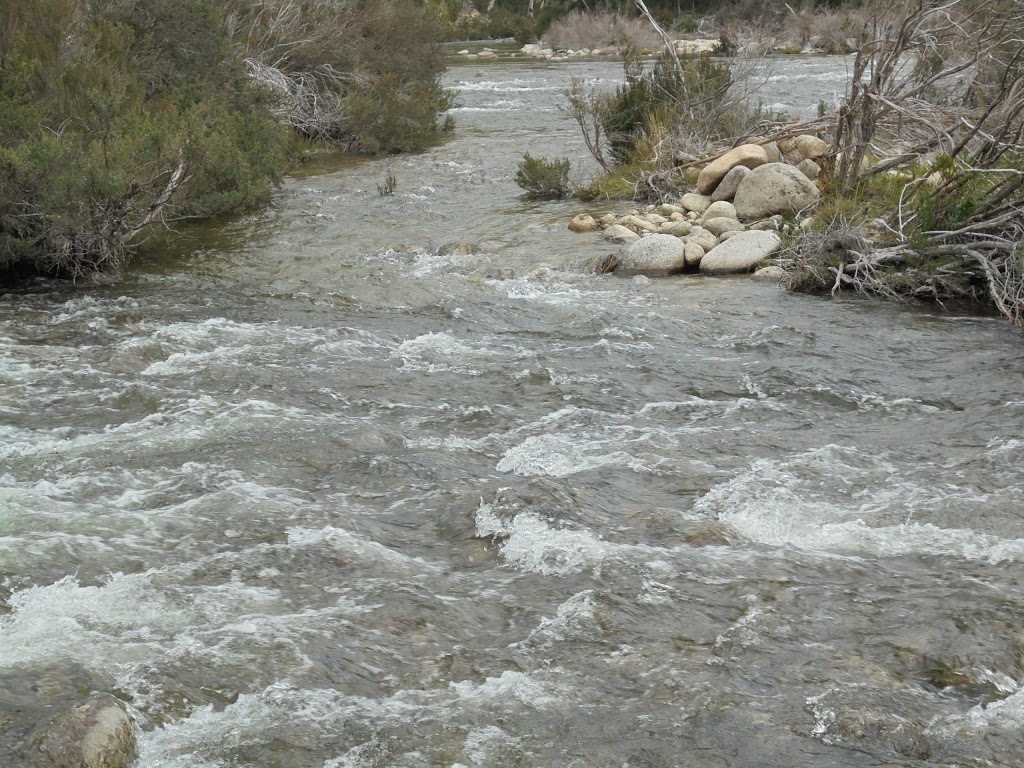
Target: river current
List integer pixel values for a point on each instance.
(311, 492)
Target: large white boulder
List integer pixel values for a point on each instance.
(653, 256)
(741, 252)
(774, 188)
(749, 155)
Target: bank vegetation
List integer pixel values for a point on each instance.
(922, 186)
(121, 118)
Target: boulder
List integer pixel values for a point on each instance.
(693, 253)
(457, 248)
(616, 233)
(638, 224)
(607, 220)
(750, 155)
(774, 188)
(809, 168)
(740, 253)
(722, 224)
(774, 223)
(583, 223)
(675, 228)
(772, 274)
(774, 153)
(695, 203)
(702, 237)
(727, 187)
(719, 209)
(810, 147)
(94, 734)
(653, 256)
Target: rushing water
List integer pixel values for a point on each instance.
(313, 495)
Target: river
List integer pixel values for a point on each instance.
(309, 493)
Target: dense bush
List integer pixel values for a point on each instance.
(116, 116)
(363, 75)
(120, 116)
(579, 30)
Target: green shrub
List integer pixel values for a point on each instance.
(544, 179)
(664, 96)
(387, 187)
(119, 116)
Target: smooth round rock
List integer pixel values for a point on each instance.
(695, 203)
(750, 155)
(94, 734)
(583, 223)
(774, 188)
(771, 274)
(720, 209)
(720, 225)
(740, 253)
(616, 233)
(726, 189)
(653, 256)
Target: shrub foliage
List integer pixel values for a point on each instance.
(120, 116)
(544, 179)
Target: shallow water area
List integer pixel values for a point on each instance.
(317, 493)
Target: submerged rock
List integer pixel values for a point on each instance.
(94, 734)
(583, 223)
(457, 248)
(772, 274)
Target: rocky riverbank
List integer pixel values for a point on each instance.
(744, 200)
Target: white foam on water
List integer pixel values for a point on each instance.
(355, 547)
(575, 617)
(531, 544)
(481, 744)
(107, 625)
(561, 455)
(508, 687)
(502, 86)
(1005, 715)
(306, 718)
(840, 500)
(439, 352)
(187, 425)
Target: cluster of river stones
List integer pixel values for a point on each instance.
(730, 224)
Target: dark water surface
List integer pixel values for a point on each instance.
(316, 496)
